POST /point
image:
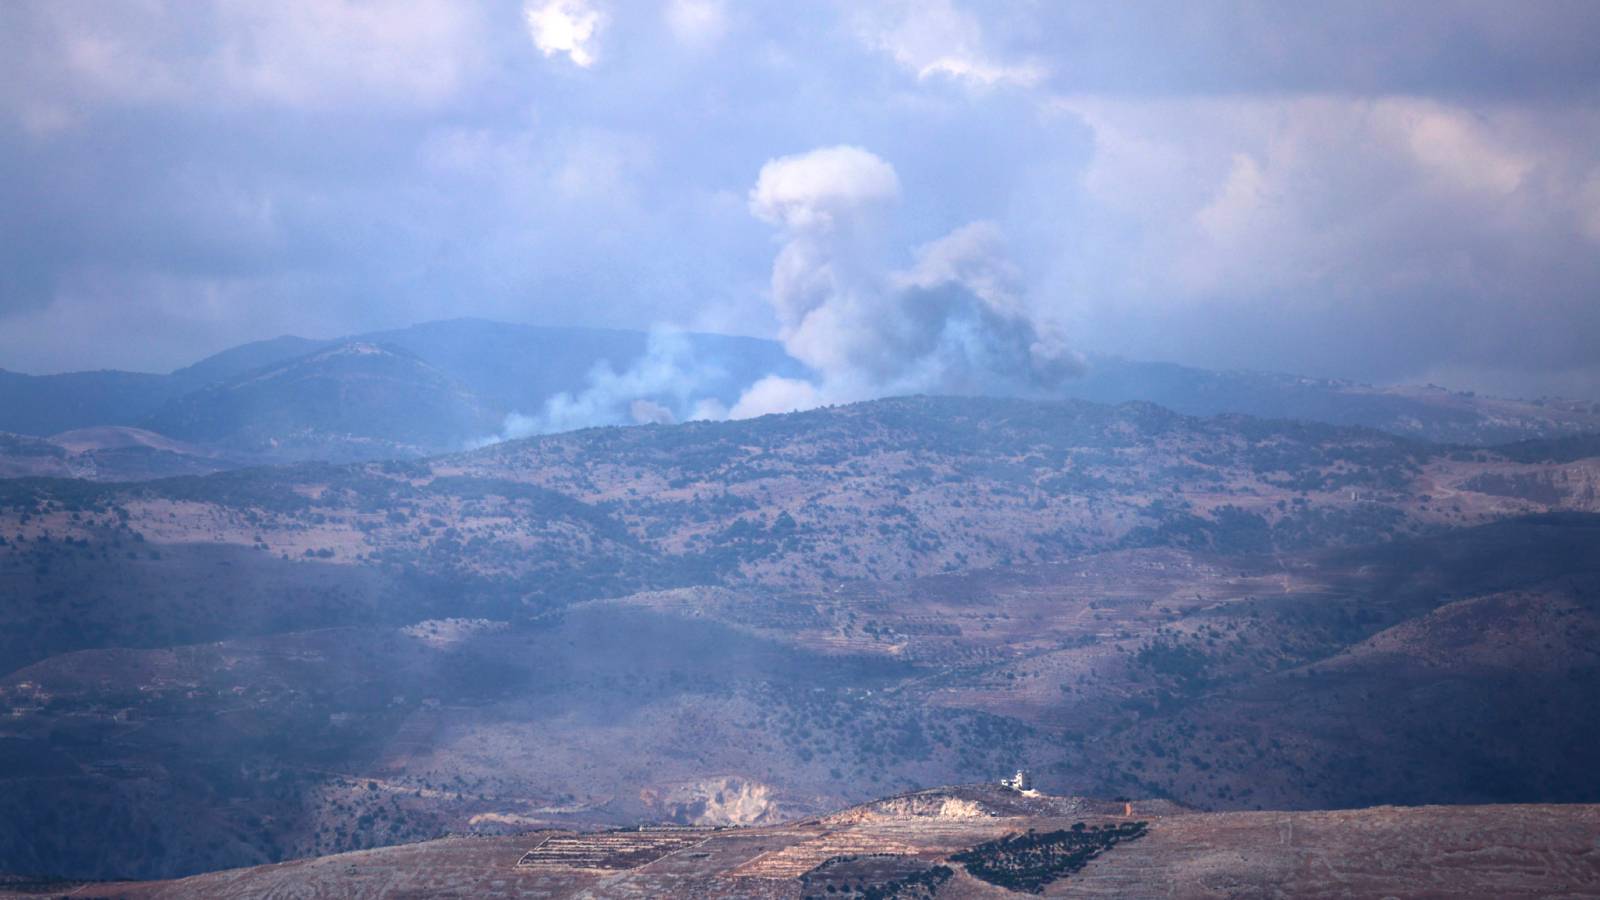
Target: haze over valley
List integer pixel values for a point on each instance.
(573, 448)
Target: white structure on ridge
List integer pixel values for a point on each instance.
(1020, 782)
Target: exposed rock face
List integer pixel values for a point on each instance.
(976, 803)
(714, 801)
(914, 806)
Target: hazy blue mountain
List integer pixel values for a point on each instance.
(353, 399)
(521, 366)
(236, 361)
(518, 368)
(424, 389)
(47, 404)
(510, 368)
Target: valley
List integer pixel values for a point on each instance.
(749, 622)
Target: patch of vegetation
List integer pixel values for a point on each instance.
(874, 877)
(1178, 661)
(1552, 450)
(1536, 487)
(1028, 862)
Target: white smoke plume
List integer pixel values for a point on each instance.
(666, 385)
(953, 322)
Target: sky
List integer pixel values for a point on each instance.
(911, 196)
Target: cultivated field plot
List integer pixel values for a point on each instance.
(882, 876)
(798, 859)
(612, 850)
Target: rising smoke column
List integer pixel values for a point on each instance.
(667, 384)
(953, 322)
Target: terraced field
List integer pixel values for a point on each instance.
(614, 850)
(912, 846)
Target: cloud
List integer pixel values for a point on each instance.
(1389, 236)
(1247, 196)
(817, 190)
(934, 39)
(668, 384)
(303, 54)
(601, 167)
(564, 26)
(1369, 190)
(696, 22)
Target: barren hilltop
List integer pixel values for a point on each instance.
(973, 841)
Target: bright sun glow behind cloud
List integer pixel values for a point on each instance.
(564, 26)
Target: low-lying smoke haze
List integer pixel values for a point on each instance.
(942, 196)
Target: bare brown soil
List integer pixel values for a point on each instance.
(1403, 852)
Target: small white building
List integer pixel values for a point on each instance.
(1020, 782)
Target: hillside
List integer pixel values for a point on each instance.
(349, 400)
(39, 405)
(737, 623)
(1429, 413)
(975, 841)
(109, 453)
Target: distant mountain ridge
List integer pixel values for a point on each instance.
(348, 400)
(40, 405)
(440, 386)
(1427, 412)
(220, 367)
(408, 392)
